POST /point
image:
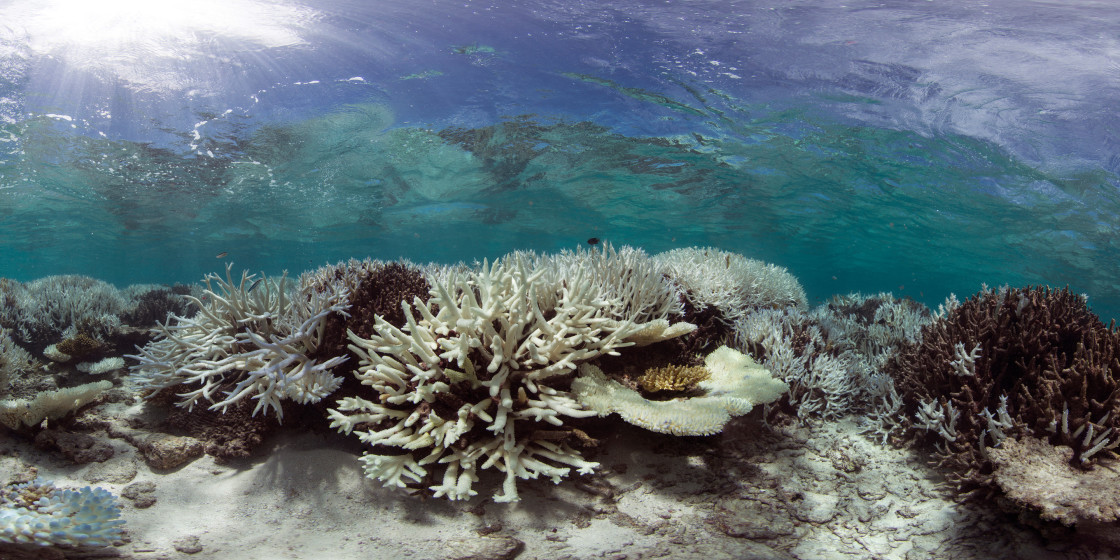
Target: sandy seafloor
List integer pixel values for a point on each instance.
(814, 491)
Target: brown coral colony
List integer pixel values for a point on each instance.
(1027, 362)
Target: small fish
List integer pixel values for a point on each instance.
(255, 284)
(593, 241)
(222, 255)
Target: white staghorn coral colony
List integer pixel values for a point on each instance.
(254, 334)
(481, 376)
(498, 366)
(467, 384)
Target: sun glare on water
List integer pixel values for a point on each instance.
(135, 38)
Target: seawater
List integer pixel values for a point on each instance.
(918, 149)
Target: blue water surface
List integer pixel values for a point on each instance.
(922, 148)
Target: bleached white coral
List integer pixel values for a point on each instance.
(49, 405)
(54, 307)
(822, 383)
(629, 279)
(53, 354)
(872, 326)
(13, 358)
(659, 330)
(735, 385)
(39, 513)
(102, 366)
(729, 281)
(476, 378)
(251, 339)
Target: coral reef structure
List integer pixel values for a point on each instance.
(253, 339)
(733, 386)
(39, 513)
(1010, 363)
(478, 376)
(832, 356)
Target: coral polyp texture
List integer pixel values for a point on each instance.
(39, 513)
(1010, 363)
(478, 377)
(250, 339)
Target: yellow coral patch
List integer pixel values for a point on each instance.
(672, 378)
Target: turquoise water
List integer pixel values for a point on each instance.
(917, 148)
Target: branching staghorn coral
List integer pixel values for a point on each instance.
(477, 377)
(832, 355)
(1004, 365)
(730, 282)
(252, 339)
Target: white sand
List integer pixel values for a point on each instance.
(754, 492)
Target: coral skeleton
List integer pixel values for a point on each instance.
(476, 379)
(39, 513)
(251, 339)
(735, 384)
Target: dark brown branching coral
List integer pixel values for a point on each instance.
(382, 292)
(1010, 363)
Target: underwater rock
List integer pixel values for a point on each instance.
(484, 548)
(188, 545)
(141, 494)
(225, 435)
(77, 447)
(112, 472)
(164, 452)
(1038, 476)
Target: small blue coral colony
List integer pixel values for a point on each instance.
(39, 513)
(448, 371)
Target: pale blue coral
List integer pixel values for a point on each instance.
(88, 516)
